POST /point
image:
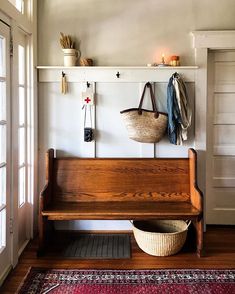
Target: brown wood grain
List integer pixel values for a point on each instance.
(199, 237)
(46, 194)
(196, 194)
(45, 199)
(74, 176)
(49, 165)
(121, 210)
(196, 200)
(123, 196)
(120, 188)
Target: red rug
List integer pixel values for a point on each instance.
(54, 281)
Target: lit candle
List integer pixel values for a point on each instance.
(163, 58)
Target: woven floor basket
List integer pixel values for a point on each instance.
(160, 237)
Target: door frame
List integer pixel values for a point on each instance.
(203, 41)
(28, 23)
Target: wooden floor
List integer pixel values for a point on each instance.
(219, 244)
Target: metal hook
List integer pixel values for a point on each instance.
(88, 85)
(63, 74)
(118, 74)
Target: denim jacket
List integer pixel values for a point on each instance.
(179, 113)
(173, 112)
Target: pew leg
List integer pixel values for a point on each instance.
(199, 237)
(43, 223)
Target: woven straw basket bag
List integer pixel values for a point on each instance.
(145, 126)
(160, 237)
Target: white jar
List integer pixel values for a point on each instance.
(70, 57)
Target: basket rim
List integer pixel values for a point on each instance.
(159, 233)
(143, 109)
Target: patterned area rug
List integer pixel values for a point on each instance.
(53, 281)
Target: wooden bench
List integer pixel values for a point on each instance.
(120, 189)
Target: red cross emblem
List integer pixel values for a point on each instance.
(87, 100)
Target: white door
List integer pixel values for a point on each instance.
(221, 138)
(5, 151)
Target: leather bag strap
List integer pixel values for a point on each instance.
(148, 85)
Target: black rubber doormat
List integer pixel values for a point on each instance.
(99, 246)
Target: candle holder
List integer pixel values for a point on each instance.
(163, 63)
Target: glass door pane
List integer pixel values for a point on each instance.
(21, 105)
(19, 5)
(21, 146)
(2, 59)
(3, 185)
(3, 230)
(3, 143)
(2, 99)
(5, 201)
(22, 186)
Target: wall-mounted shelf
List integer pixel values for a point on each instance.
(135, 74)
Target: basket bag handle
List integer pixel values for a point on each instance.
(148, 85)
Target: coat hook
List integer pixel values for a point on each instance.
(118, 74)
(63, 74)
(88, 85)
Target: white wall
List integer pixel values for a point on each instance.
(124, 32)
(128, 32)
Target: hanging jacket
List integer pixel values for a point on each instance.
(179, 112)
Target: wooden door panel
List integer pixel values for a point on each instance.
(223, 172)
(220, 197)
(224, 56)
(224, 139)
(224, 108)
(224, 198)
(224, 77)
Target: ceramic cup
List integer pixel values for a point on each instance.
(70, 57)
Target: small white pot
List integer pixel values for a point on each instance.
(70, 57)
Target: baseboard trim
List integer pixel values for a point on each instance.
(22, 248)
(5, 274)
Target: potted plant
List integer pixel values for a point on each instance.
(68, 47)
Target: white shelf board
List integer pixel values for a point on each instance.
(108, 73)
(114, 67)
